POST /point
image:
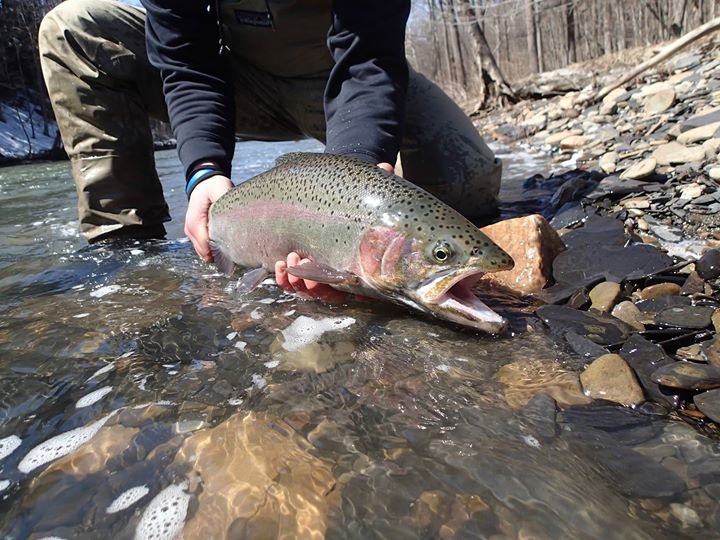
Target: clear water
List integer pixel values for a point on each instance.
(140, 398)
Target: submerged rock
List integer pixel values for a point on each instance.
(598, 327)
(610, 378)
(708, 266)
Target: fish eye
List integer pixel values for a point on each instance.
(442, 252)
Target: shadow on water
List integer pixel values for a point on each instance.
(138, 396)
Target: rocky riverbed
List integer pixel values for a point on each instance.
(635, 294)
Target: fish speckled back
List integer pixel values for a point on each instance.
(338, 197)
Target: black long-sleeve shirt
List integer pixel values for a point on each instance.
(364, 96)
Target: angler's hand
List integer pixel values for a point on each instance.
(305, 288)
(197, 215)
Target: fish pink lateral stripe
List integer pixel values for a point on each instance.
(280, 209)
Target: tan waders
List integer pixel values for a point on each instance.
(103, 89)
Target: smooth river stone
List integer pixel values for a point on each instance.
(645, 357)
(604, 295)
(699, 133)
(629, 313)
(641, 169)
(709, 404)
(692, 317)
(609, 377)
(674, 153)
(659, 101)
(660, 289)
(688, 376)
(601, 328)
(708, 266)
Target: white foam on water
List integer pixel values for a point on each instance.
(8, 445)
(104, 291)
(240, 345)
(164, 517)
(305, 330)
(256, 314)
(136, 252)
(531, 441)
(231, 336)
(266, 301)
(443, 367)
(4, 484)
(60, 445)
(102, 370)
(93, 397)
(272, 364)
(126, 499)
(81, 315)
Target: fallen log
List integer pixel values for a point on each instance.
(663, 55)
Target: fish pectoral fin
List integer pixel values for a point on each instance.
(250, 280)
(224, 263)
(323, 274)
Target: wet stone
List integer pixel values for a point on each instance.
(708, 266)
(716, 320)
(629, 313)
(598, 327)
(645, 357)
(659, 289)
(583, 266)
(688, 376)
(610, 378)
(579, 300)
(692, 317)
(709, 404)
(694, 284)
(604, 295)
(691, 352)
(586, 349)
(710, 351)
(655, 305)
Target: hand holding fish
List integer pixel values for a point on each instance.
(196, 217)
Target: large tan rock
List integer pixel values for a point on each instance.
(533, 244)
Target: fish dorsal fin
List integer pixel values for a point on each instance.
(224, 263)
(292, 157)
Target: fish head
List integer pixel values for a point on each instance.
(431, 262)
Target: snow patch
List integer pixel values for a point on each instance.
(16, 132)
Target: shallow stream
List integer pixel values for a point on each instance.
(140, 398)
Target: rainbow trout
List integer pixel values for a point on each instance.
(366, 231)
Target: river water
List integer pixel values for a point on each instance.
(140, 398)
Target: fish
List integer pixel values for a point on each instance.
(365, 230)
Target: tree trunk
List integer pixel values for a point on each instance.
(570, 44)
(494, 86)
(534, 60)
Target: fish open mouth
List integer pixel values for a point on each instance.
(450, 296)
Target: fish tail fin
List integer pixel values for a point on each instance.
(224, 263)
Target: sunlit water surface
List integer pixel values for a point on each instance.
(139, 397)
